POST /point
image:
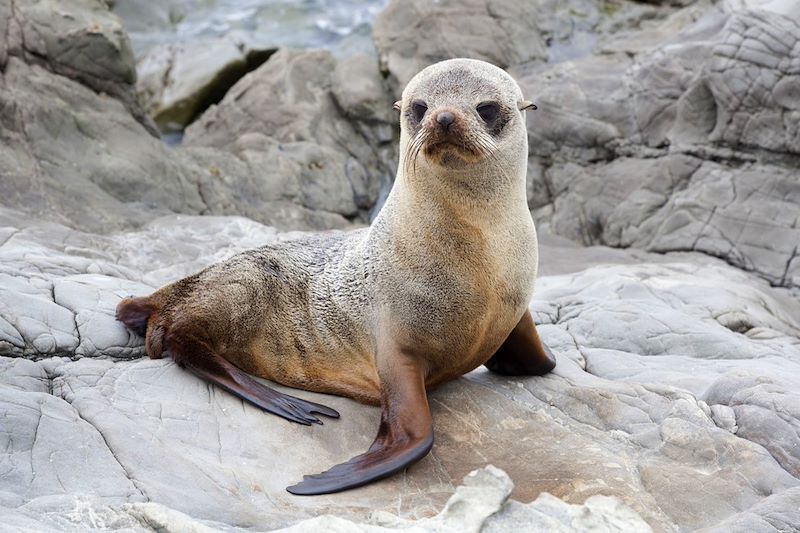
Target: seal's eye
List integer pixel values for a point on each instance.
(489, 112)
(418, 109)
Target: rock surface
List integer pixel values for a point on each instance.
(179, 81)
(675, 400)
(683, 405)
(480, 504)
(689, 146)
(77, 149)
(332, 116)
(79, 39)
(411, 35)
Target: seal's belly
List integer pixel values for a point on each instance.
(314, 354)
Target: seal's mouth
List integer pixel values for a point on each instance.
(446, 151)
(435, 148)
(452, 146)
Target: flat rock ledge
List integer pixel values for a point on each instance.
(480, 504)
(675, 400)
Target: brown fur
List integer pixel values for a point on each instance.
(437, 286)
(449, 263)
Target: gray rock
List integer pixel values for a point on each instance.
(484, 492)
(73, 155)
(411, 35)
(72, 150)
(79, 39)
(779, 512)
(754, 77)
(667, 149)
(682, 405)
(548, 513)
(290, 99)
(179, 81)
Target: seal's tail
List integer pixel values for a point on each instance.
(137, 313)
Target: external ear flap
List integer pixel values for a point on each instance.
(525, 105)
(397, 105)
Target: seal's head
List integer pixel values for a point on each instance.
(462, 112)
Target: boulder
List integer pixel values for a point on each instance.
(177, 82)
(76, 156)
(291, 99)
(74, 151)
(411, 35)
(79, 39)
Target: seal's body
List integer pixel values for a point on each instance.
(437, 286)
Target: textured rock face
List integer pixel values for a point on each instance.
(77, 38)
(76, 147)
(480, 504)
(686, 147)
(348, 131)
(179, 81)
(675, 392)
(411, 35)
(73, 155)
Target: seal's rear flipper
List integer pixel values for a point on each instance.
(202, 362)
(405, 435)
(523, 353)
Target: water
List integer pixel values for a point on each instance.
(342, 26)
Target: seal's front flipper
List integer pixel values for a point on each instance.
(523, 353)
(405, 435)
(202, 362)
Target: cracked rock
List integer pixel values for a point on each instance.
(644, 349)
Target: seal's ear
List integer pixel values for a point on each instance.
(397, 105)
(525, 105)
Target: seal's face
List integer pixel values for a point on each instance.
(460, 112)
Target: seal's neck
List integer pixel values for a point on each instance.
(485, 191)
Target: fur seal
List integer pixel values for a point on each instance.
(438, 285)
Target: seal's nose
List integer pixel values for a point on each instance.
(445, 118)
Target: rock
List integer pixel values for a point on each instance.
(682, 405)
(177, 82)
(548, 513)
(293, 186)
(359, 90)
(73, 151)
(79, 39)
(411, 35)
(600, 513)
(666, 149)
(780, 512)
(763, 112)
(73, 155)
(290, 99)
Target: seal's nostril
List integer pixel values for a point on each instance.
(445, 118)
